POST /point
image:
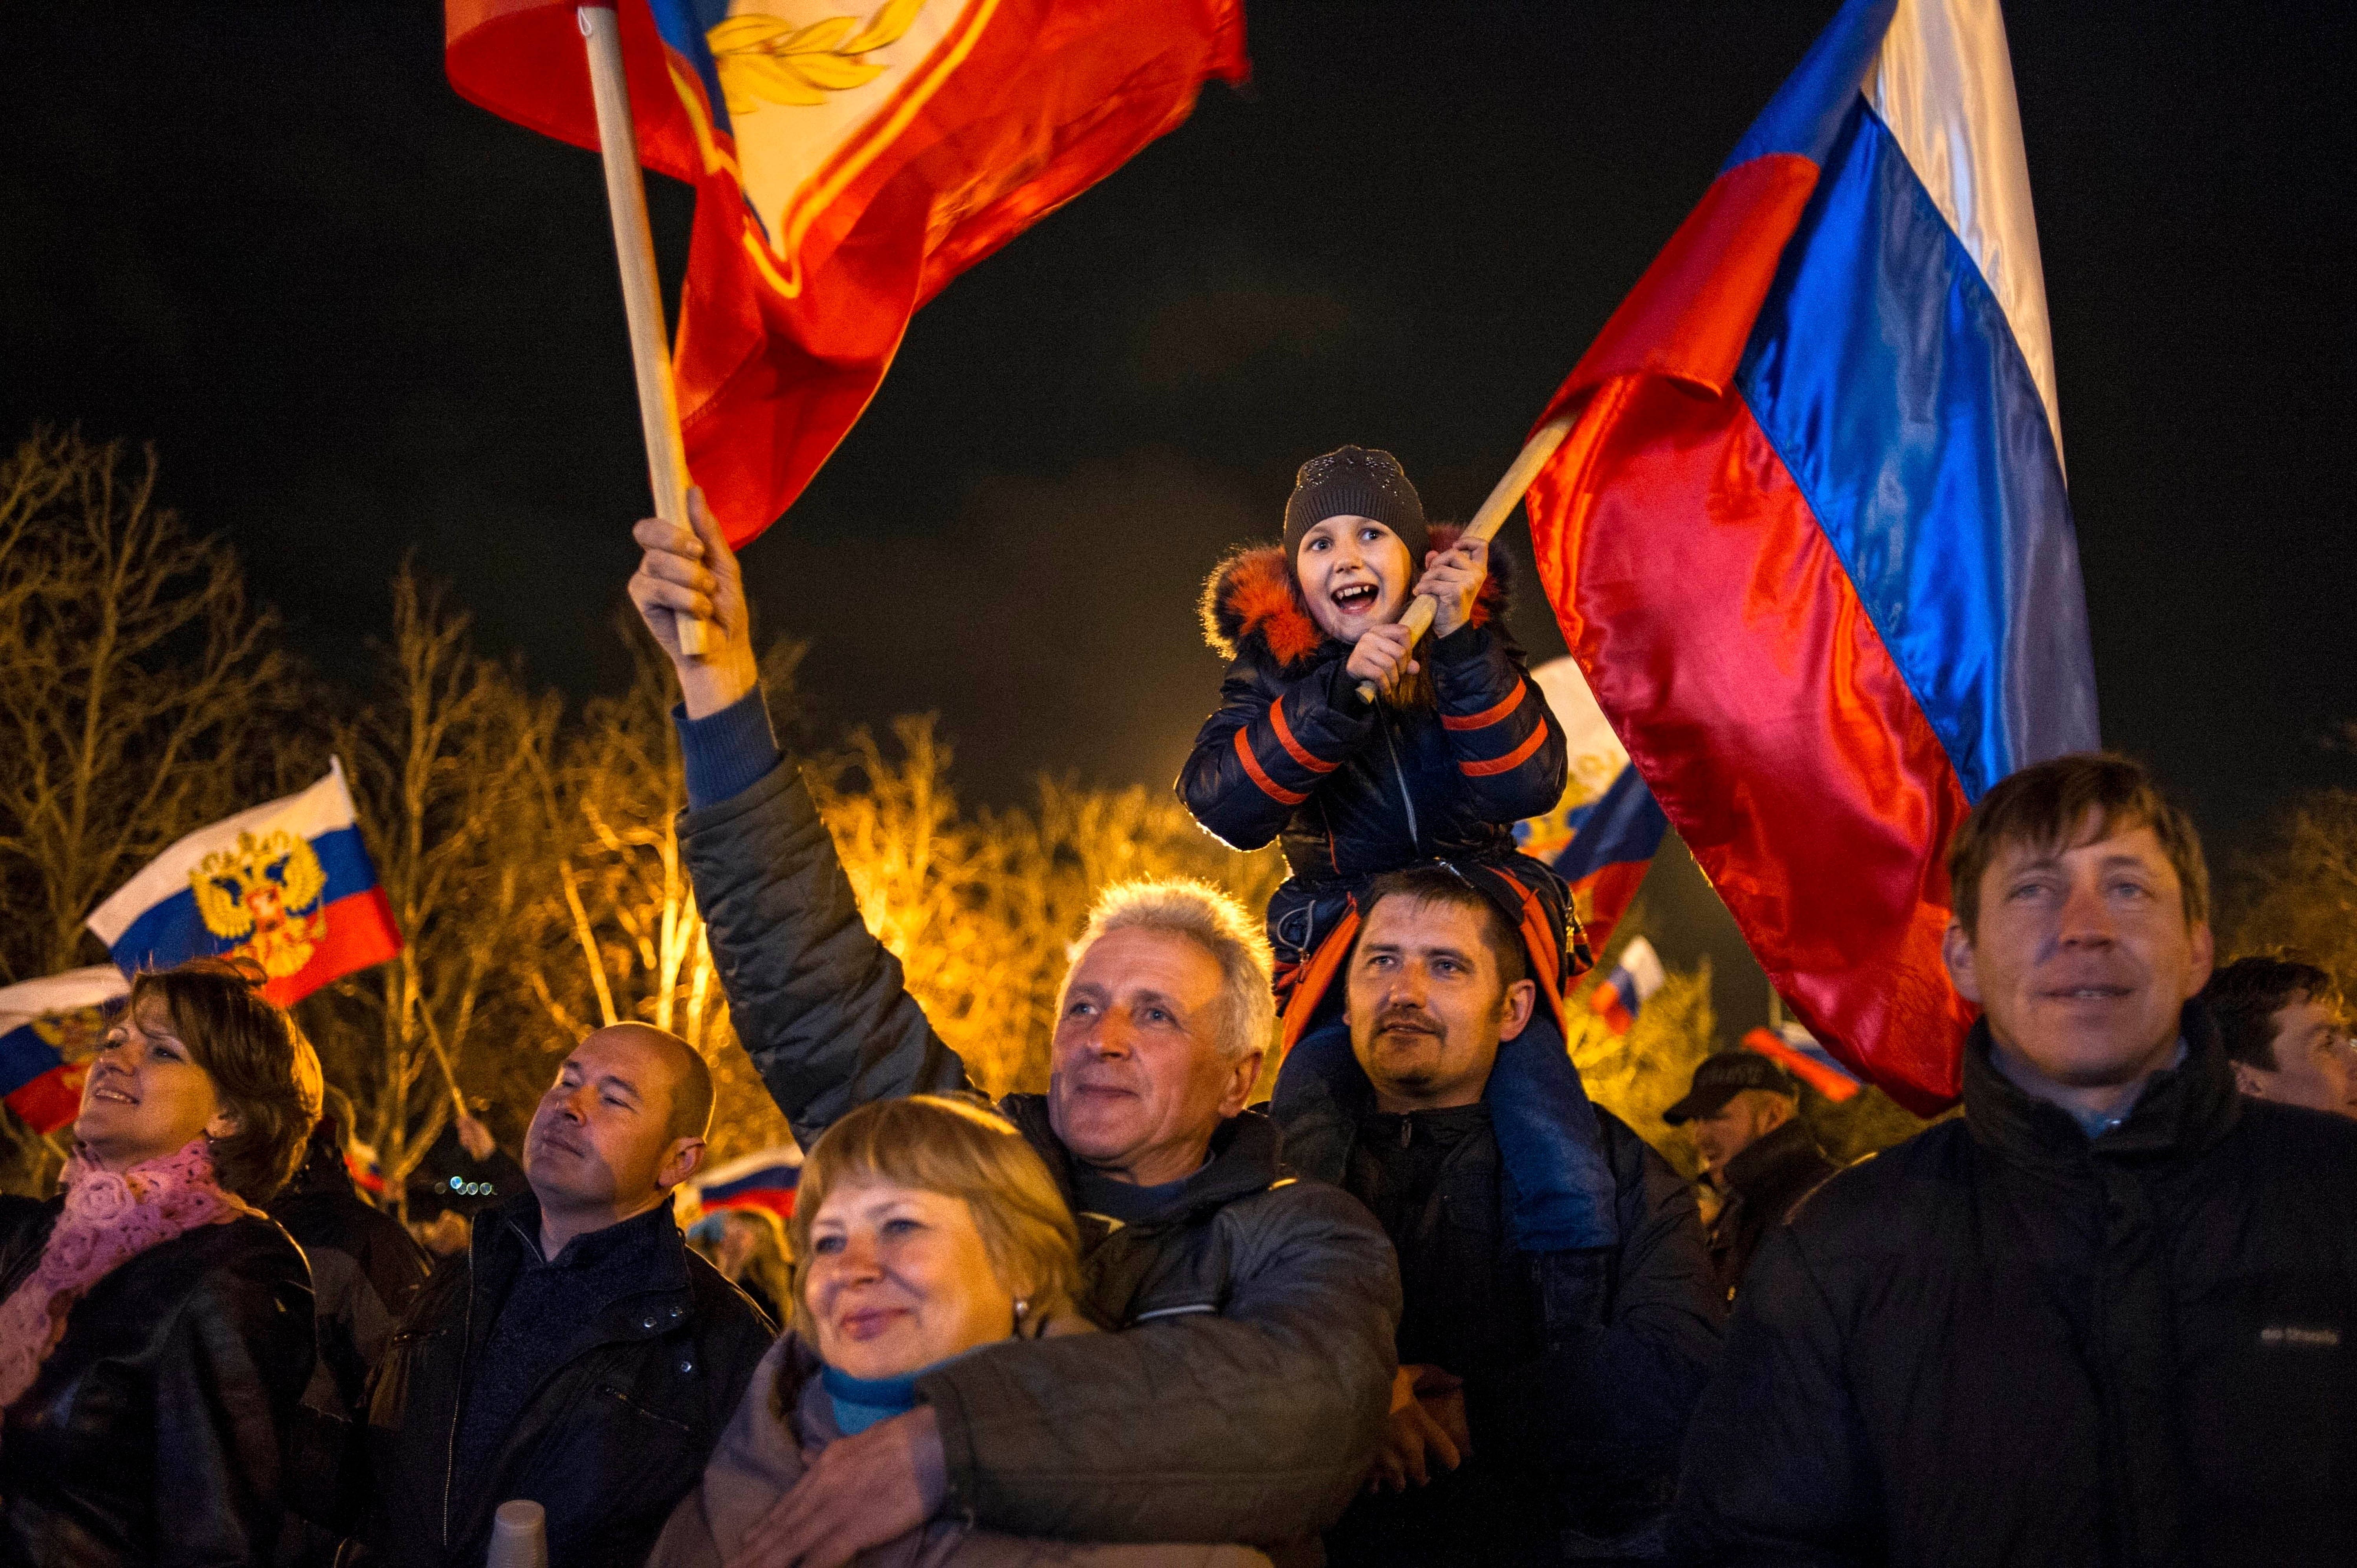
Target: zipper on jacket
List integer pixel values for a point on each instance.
(465, 1341)
(1407, 799)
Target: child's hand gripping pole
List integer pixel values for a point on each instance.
(1503, 499)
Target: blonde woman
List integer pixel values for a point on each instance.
(924, 1228)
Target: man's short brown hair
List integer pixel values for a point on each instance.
(2047, 807)
(1439, 884)
(2244, 997)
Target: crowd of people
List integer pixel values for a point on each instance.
(1427, 1304)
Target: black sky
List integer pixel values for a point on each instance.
(359, 316)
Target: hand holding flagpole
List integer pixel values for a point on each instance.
(1504, 498)
(634, 247)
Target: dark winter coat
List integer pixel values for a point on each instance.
(786, 1422)
(1580, 1367)
(608, 1443)
(1245, 1397)
(1761, 1186)
(1353, 789)
(365, 1268)
(154, 1433)
(2002, 1343)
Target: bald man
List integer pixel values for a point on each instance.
(578, 1354)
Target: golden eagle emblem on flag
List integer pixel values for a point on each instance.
(73, 1034)
(264, 894)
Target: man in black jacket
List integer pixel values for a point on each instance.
(1540, 1396)
(1743, 1112)
(1243, 1395)
(578, 1355)
(2110, 1317)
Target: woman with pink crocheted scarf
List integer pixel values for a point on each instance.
(154, 1327)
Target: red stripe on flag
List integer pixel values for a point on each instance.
(1604, 894)
(360, 932)
(51, 1100)
(1715, 624)
(1815, 1074)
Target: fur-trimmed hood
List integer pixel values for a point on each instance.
(1252, 594)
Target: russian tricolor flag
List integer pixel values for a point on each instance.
(1620, 995)
(49, 1028)
(1604, 846)
(288, 884)
(766, 1179)
(1808, 537)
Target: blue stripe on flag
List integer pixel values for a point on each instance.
(172, 931)
(23, 1057)
(1624, 823)
(771, 1178)
(1805, 116)
(1884, 372)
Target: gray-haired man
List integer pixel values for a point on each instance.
(1243, 1399)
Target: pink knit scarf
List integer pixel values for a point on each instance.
(107, 1218)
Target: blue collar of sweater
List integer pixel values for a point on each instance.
(861, 1402)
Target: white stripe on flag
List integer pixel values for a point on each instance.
(322, 808)
(1944, 84)
(76, 988)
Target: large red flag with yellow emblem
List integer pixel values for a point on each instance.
(851, 157)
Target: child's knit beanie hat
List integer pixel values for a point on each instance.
(1356, 481)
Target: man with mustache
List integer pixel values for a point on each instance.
(2110, 1315)
(1541, 1395)
(1241, 1397)
(577, 1355)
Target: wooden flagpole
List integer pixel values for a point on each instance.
(1503, 499)
(634, 247)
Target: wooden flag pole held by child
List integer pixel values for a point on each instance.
(634, 248)
(1504, 498)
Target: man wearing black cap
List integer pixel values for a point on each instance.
(1742, 1111)
(1542, 1393)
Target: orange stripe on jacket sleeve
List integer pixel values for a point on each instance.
(1507, 763)
(1486, 716)
(1269, 786)
(1292, 748)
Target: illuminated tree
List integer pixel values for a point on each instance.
(2298, 892)
(140, 695)
(615, 934)
(442, 763)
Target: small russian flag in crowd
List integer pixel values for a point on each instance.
(1620, 995)
(763, 1180)
(287, 884)
(49, 1028)
(1604, 846)
(1808, 536)
(1798, 1052)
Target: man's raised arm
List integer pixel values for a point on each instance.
(820, 1005)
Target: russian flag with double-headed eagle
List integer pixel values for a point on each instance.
(288, 884)
(850, 157)
(49, 1028)
(1809, 538)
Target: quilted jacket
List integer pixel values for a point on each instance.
(1244, 1396)
(1351, 789)
(2005, 1343)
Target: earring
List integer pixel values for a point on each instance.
(1021, 1307)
